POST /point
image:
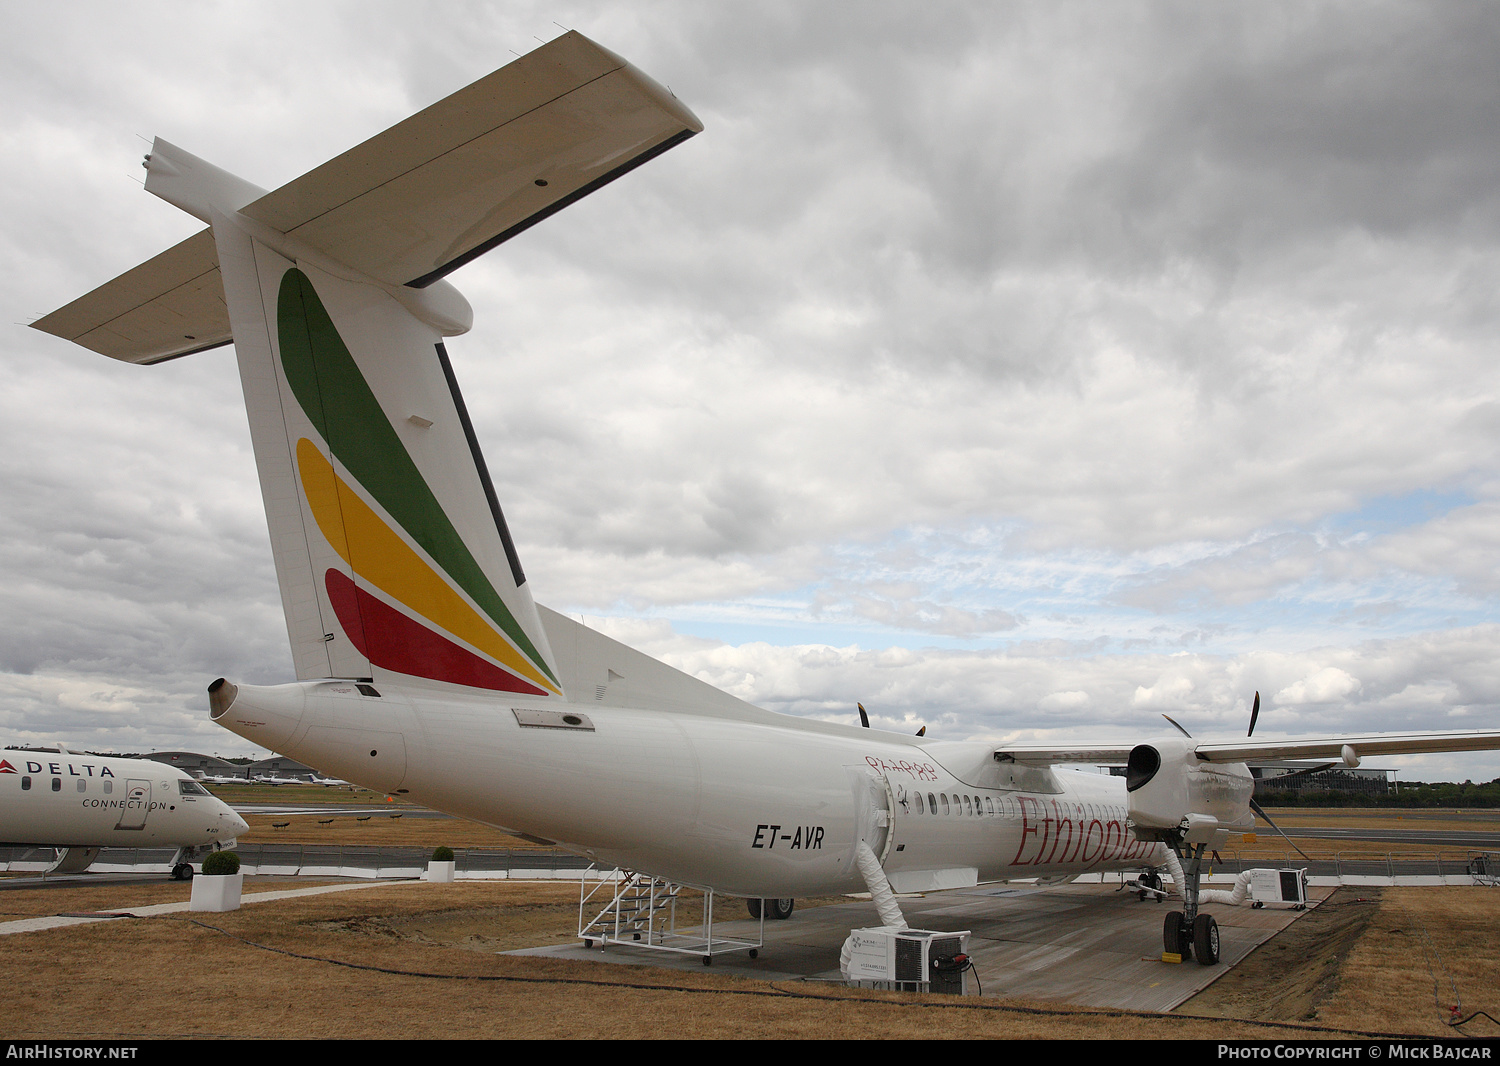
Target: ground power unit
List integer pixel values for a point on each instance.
(1278, 886)
(908, 960)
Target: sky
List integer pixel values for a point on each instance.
(1024, 371)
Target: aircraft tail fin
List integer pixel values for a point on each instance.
(391, 550)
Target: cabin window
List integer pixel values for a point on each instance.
(57, 784)
(989, 806)
(109, 786)
(25, 784)
(931, 803)
(83, 785)
(968, 807)
(919, 804)
(945, 801)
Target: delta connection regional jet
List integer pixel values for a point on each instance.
(423, 665)
(79, 803)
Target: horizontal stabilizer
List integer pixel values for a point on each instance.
(474, 169)
(168, 306)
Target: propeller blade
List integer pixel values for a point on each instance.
(1181, 730)
(1261, 812)
(1254, 714)
(864, 719)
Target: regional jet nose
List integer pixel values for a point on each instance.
(231, 824)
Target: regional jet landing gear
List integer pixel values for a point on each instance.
(1186, 932)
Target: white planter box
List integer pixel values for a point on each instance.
(440, 871)
(216, 892)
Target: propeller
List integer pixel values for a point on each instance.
(864, 720)
(1261, 812)
(1256, 807)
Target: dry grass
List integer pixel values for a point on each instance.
(380, 831)
(1425, 951)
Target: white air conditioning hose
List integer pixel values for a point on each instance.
(1235, 896)
(883, 895)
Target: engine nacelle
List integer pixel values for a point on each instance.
(1171, 790)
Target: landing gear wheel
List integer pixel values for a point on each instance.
(781, 909)
(1206, 939)
(1174, 935)
(754, 905)
(182, 872)
(754, 954)
(708, 960)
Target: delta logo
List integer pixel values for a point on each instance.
(7, 768)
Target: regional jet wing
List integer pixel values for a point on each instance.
(168, 306)
(475, 169)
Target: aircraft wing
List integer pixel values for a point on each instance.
(475, 169)
(170, 305)
(1048, 754)
(1244, 749)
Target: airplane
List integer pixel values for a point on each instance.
(425, 668)
(79, 803)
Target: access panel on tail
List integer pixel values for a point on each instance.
(392, 553)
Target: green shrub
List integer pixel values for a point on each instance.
(442, 854)
(222, 862)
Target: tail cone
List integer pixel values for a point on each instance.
(221, 695)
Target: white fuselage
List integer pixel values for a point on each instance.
(63, 799)
(752, 808)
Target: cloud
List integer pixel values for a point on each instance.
(972, 359)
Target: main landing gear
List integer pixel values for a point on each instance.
(1186, 932)
(776, 909)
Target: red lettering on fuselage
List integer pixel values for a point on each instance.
(1054, 832)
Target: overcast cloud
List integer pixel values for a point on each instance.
(1022, 370)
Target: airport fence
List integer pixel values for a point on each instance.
(1362, 868)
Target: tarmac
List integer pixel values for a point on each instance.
(1085, 945)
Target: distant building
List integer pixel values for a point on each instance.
(1277, 778)
(200, 765)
